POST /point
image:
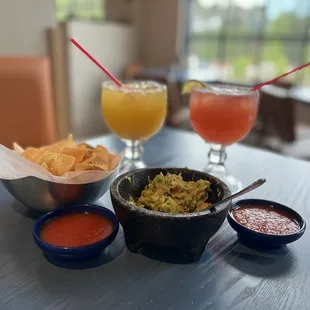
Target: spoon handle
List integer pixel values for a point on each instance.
(249, 188)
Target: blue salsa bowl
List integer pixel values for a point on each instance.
(78, 253)
(259, 240)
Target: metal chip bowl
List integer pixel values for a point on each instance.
(46, 196)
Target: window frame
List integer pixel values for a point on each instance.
(79, 6)
(261, 37)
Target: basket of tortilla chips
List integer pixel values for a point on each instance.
(60, 174)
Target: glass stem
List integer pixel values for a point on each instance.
(133, 150)
(216, 167)
(217, 155)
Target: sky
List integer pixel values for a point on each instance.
(274, 7)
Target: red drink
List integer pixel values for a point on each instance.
(223, 114)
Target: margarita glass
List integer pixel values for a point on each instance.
(222, 114)
(134, 112)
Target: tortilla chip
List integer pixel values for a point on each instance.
(98, 162)
(78, 153)
(84, 167)
(45, 166)
(53, 149)
(39, 155)
(47, 158)
(62, 164)
(87, 157)
(102, 153)
(85, 145)
(30, 153)
(69, 142)
(17, 148)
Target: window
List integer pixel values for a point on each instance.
(250, 40)
(79, 9)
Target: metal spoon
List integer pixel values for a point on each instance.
(249, 188)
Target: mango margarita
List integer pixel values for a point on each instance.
(136, 111)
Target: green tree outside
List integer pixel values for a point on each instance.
(242, 52)
(79, 9)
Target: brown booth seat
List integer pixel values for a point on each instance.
(26, 107)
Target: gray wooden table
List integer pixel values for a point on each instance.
(229, 275)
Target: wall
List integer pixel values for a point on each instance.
(22, 26)
(156, 26)
(112, 45)
(119, 10)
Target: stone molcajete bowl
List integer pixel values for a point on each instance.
(184, 235)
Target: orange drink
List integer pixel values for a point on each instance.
(134, 112)
(222, 118)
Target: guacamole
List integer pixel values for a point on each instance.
(171, 194)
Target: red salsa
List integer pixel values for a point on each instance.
(76, 229)
(266, 219)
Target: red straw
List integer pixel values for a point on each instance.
(115, 80)
(279, 77)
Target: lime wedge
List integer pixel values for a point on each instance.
(188, 86)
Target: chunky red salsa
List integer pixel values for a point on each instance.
(76, 229)
(266, 219)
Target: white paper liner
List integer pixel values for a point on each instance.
(14, 166)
